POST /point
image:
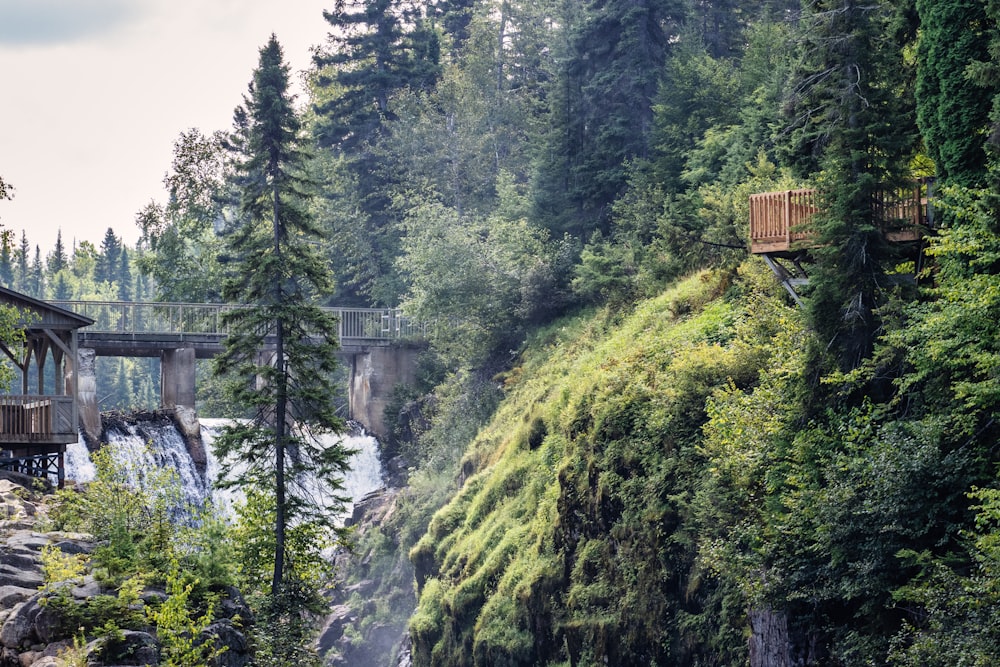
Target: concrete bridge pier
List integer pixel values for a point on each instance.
(375, 373)
(177, 394)
(86, 378)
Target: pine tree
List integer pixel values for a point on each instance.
(22, 258)
(275, 268)
(57, 260)
(853, 120)
(36, 276)
(603, 108)
(123, 276)
(108, 260)
(6, 261)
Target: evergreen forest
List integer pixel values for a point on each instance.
(630, 445)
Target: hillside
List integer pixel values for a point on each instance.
(656, 489)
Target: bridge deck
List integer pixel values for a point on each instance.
(145, 329)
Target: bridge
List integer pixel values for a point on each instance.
(134, 329)
(374, 342)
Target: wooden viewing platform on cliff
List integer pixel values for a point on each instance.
(779, 221)
(781, 234)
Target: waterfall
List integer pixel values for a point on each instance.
(144, 445)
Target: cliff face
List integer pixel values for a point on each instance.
(574, 540)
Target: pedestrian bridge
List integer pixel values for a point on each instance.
(147, 329)
(377, 345)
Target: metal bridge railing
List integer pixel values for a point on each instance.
(370, 324)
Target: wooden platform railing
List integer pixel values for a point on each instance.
(29, 418)
(778, 220)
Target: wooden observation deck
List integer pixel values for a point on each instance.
(779, 221)
(780, 224)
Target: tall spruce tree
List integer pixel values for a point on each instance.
(852, 127)
(952, 114)
(603, 108)
(6, 261)
(280, 353)
(22, 259)
(376, 49)
(106, 269)
(36, 276)
(57, 260)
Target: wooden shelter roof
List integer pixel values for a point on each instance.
(48, 317)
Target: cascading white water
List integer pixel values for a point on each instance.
(145, 445)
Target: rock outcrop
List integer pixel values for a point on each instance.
(32, 631)
(373, 598)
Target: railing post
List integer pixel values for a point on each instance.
(788, 216)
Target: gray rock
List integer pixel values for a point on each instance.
(10, 576)
(340, 617)
(223, 634)
(48, 625)
(47, 661)
(11, 595)
(17, 630)
(135, 648)
(74, 547)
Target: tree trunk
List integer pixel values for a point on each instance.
(769, 645)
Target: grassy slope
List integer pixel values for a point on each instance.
(574, 539)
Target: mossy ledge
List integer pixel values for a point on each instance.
(573, 541)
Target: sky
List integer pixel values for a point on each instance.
(94, 93)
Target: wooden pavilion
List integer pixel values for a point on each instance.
(37, 423)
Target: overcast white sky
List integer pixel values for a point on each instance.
(94, 93)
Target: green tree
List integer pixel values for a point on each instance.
(853, 119)
(7, 254)
(22, 258)
(106, 269)
(36, 276)
(274, 267)
(953, 115)
(123, 276)
(486, 276)
(604, 113)
(376, 49)
(57, 260)
(179, 240)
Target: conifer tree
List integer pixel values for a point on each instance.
(6, 261)
(124, 276)
(22, 256)
(604, 108)
(376, 49)
(280, 352)
(107, 261)
(36, 277)
(57, 260)
(952, 114)
(853, 128)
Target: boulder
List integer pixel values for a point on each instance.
(340, 616)
(134, 648)
(223, 634)
(11, 595)
(19, 627)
